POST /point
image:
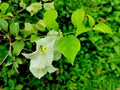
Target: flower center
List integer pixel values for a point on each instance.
(43, 50)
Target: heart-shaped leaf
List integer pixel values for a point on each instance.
(103, 28)
(69, 47)
(78, 16)
(18, 46)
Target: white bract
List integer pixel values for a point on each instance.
(34, 8)
(48, 6)
(46, 52)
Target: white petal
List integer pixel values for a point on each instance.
(45, 41)
(52, 32)
(51, 69)
(57, 55)
(31, 55)
(43, 60)
(38, 74)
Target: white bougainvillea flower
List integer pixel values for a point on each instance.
(33, 8)
(46, 52)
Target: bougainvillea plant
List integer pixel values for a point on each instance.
(49, 47)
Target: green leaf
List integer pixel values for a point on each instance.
(30, 28)
(40, 25)
(4, 24)
(19, 60)
(8, 64)
(103, 28)
(14, 29)
(50, 14)
(113, 66)
(22, 4)
(18, 46)
(78, 16)
(81, 29)
(4, 7)
(50, 19)
(51, 24)
(10, 14)
(69, 47)
(11, 82)
(3, 52)
(91, 21)
(19, 87)
(33, 38)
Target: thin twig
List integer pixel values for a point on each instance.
(2, 31)
(18, 12)
(27, 50)
(8, 52)
(4, 59)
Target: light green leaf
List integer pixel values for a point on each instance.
(34, 8)
(113, 66)
(78, 16)
(30, 28)
(103, 28)
(18, 46)
(91, 21)
(51, 14)
(4, 24)
(10, 14)
(45, 0)
(33, 38)
(22, 4)
(19, 87)
(8, 64)
(19, 60)
(51, 24)
(14, 29)
(81, 29)
(50, 19)
(40, 25)
(4, 7)
(69, 47)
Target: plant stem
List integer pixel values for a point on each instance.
(8, 52)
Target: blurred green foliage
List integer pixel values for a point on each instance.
(97, 65)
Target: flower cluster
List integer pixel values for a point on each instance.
(46, 52)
